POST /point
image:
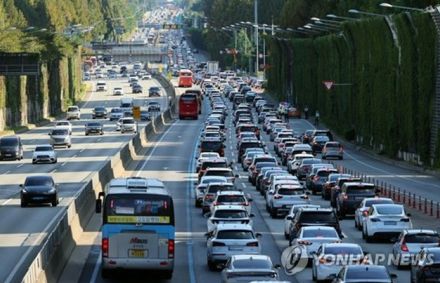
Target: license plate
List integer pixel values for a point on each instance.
(8, 154)
(38, 198)
(389, 223)
(138, 253)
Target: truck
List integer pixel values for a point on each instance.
(212, 67)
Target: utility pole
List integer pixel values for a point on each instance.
(256, 37)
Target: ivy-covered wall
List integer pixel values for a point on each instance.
(386, 102)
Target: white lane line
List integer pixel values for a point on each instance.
(7, 172)
(244, 185)
(64, 163)
(20, 165)
(99, 139)
(96, 269)
(53, 171)
(82, 150)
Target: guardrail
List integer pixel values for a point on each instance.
(60, 242)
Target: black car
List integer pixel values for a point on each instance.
(145, 115)
(212, 145)
(248, 143)
(153, 91)
(427, 268)
(136, 88)
(39, 189)
(153, 106)
(99, 112)
(11, 148)
(94, 128)
(313, 217)
(351, 195)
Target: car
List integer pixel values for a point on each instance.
(386, 220)
(154, 91)
(136, 88)
(116, 113)
(363, 273)
(284, 197)
(11, 148)
(128, 125)
(293, 164)
(205, 156)
(118, 91)
(319, 179)
(211, 192)
(311, 177)
(226, 213)
(212, 145)
(332, 149)
(94, 128)
(293, 210)
(331, 257)
(202, 186)
(305, 167)
(64, 124)
(227, 240)
(101, 85)
(225, 172)
(410, 242)
(364, 206)
(427, 266)
(145, 115)
(314, 217)
(99, 112)
(146, 77)
(335, 190)
(44, 154)
(39, 189)
(318, 143)
(230, 197)
(312, 237)
(246, 268)
(220, 162)
(73, 112)
(351, 195)
(255, 171)
(330, 183)
(153, 106)
(60, 137)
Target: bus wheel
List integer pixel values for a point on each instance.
(167, 274)
(105, 273)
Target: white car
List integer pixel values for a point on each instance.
(284, 197)
(293, 210)
(73, 113)
(330, 258)
(128, 125)
(385, 220)
(225, 172)
(227, 240)
(231, 198)
(312, 237)
(364, 206)
(200, 189)
(293, 164)
(206, 156)
(44, 154)
(118, 91)
(116, 114)
(60, 137)
(65, 125)
(230, 214)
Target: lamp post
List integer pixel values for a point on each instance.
(310, 26)
(354, 11)
(331, 26)
(387, 5)
(316, 19)
(332, 16)
(257, 63)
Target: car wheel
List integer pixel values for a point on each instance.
(69, 146)
(363, 234)
(55, 203)
(286, 236)
(87, 134)
(34, 162)
(273, 213)
(356, 223)
(55, 161)
(105, 273)
(314, 275)
(23, 204)
(167, 275)
(211, 265)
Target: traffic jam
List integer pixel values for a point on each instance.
(292, 173)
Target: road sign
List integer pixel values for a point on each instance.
(328, 84)
(137, 112)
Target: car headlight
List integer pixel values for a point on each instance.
(24, 191)
(52, 190)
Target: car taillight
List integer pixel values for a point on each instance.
(170, 248)
(218, 244)
(324, 260)
(105, 247)
(252, 244)
(404, 247)
(277, 196)
(281, 145)
(365, 213)
(222, 152)
(345, 197)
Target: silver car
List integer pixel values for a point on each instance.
(128, 125)
(246, 268)
(60, 137)
(44, 154)
(362, 210)
(227, 240)
(73, 113)
(312, 237)
(231, 214)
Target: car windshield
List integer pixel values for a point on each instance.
(72, 109)
(99, 109)
(42, 181)
(116, 110)
(335, 177)
(209, 164)
(223, 173)
(311, 161)
(369, 203)
(291, 192)
(364, 275)
(341, 250)
(252, 264)
(235, 234)
(229, 213)
(265, 159)
(319, 233)
(324, 173)
(260, 165)
(59, 132)
(213, 180)
(209, 155)
(63, 124)
(43, 148)
(422, 238)
(389, 210)
(315, 216)
(8, 142)
(128, 121)
(231, 198)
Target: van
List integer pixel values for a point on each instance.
(11, 148)
(101, 86)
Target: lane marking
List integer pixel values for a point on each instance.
(53, 171)
(20, 165)
(7, 172)
(64, 163)
(244, 185)
(82, 150)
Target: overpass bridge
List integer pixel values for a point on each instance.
(131, 51)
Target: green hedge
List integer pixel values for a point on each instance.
(387, 105)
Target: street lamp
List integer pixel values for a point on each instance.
(316, 19)
(332, 16)
(335, 27)
(388, 5)
(354, 11)
(311, 26)
(309, 31)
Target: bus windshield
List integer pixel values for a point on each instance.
(139, 208)
(185, 73)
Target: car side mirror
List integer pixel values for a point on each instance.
(195, 183)
(258, 235)
(98, 206)
(307, 193)
(366, 253)
(21, 185)
(237, 176)
(208, 235)
(49, 134)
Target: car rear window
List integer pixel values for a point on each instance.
(423, 238)
(208, 164)
(364, 275)
(319, 233)
(211, 145)
(369, 203)
(265, 159)
(389, 210)
(72, 109)
(343, 251)
(231, 198)
(229, 213)
(219, 173)
(324, 173)
(291, 192)
(260, 165)
(318, 216)
(252, 264)
(235, 234)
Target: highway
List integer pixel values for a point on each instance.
(23, 229)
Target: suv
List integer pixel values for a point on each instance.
(99, 112)
(284, 197)
(320, 178)
(153, 91)
(351, 195)
(211, 192)
(212, 145)
(334, 191)
(11, 148)
(313, 217)
(333, 149)
(248, 143)
(60, 137)
(94, 127)
(73, 113)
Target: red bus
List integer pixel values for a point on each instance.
(188, 106)
(185, 78)
(199, 97)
